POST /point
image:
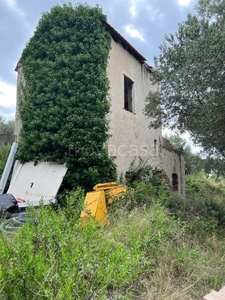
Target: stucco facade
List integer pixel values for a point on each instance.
(130, 138)
(172, 162)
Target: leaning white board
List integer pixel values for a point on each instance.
(35, 183)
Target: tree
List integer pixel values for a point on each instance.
(6, 138)
(6, 131)
(4, 152)
(215, 165)
(191, 74)
(64, 101)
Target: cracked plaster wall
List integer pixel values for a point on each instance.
(130, 137)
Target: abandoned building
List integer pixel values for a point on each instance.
(131, 139)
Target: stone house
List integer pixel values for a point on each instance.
(131, 140)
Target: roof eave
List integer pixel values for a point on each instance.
(18, 66)
(120, 39)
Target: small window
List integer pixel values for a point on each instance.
(128, 85)
(155, 145)
(175, 182)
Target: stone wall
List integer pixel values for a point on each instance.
(173, 163)
(130, 137)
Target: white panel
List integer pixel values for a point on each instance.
(35, 182)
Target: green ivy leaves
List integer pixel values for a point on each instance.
(65, 96)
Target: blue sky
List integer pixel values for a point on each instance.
(143, 23)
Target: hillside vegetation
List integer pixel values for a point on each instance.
(156, 245)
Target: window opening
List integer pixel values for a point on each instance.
(128, 85)
(155, 147)
(175, 182)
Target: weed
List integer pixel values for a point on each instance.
(157, 245)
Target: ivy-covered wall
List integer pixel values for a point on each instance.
(64, 104)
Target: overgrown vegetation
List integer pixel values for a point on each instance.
(190, 98)
(6, 139)
(4, 152)
(6, 132)
(64, 102)
(156, 246)
(193, 161)
(196, 162)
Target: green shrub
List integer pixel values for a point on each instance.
(74, 203)
(53, 257)
(4, 152)
(147, 249)
(205, 198)
(65, 98)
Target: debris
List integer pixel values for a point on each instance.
(8, 167)
(32, 183)
(8, 204)
(97, 202)
(13, 224)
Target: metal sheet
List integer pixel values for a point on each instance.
(33, 183)
(8, 167)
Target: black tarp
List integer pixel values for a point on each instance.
(8, 204)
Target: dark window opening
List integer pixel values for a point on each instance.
(128, 85)
(175, 182)
(155, 147)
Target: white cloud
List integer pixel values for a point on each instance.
(7, 96)
(134, 33)
(184, 2)
(155, 15)
(134, 7)
(13, 5)
(133, 10)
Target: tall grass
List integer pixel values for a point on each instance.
(150, 249)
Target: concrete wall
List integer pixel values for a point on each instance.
(130, 137)
(173, 162)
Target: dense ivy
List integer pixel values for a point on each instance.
(64, 103)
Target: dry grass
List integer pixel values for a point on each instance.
(179, 265)
(190, 278)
